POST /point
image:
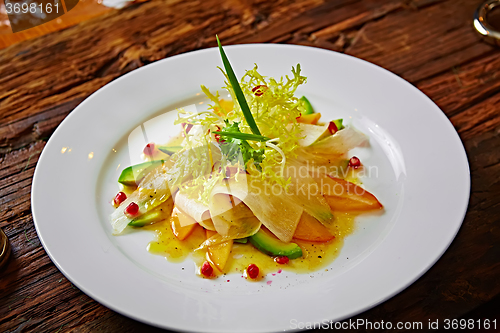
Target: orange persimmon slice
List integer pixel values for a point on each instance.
(345, 196)
(226, 105)
(310, 229)
(218, 254)
(312, 118)
(182, 224)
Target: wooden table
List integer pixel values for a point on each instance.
(430, 43)
(84, 10)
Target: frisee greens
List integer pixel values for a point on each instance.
(264, 155)
(233, 145)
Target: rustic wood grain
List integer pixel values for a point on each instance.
(84, 10)
(431, 43)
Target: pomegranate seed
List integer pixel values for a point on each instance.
(217, 136)
(149, 149)
(206, 269)
(354, 162)
(282, 260)
(132, 209)
(253, 271)
(260, 90)
(332, 127)
(187, 128)
(119, 198)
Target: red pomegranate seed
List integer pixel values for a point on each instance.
(354, 162)
(217, 136)
(132, 209)
(332, 128)
(253, 271)
(119, 198)
(206, 269)
(149, 149)
(186, 127)
(259, 90)
(282, 260)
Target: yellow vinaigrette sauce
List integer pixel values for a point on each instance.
(316, 255)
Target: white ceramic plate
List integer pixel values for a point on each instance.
(423, 181)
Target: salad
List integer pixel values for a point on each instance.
(255, 184)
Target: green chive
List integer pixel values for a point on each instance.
(237, 91)
(243, 136)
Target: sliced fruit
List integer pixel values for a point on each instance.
(339, 143)
(169, 149)
(218, 254)
(342, 195)
(151, 192)
(241, 240)
(312, 133)
(307, 105)
(133, 175)
(160, 213)
(227, 105)
(339, 124)
(312, 118)
(312, 230)
(148, 218)
(182, 224)
(269, 244)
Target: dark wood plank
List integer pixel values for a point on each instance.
(417, 44)
(461, 87)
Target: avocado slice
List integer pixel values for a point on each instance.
(133, 175)
(160, 213)
(307, 105)
(338, 123)
(147, 218)
(241, 240)
(169, 149)
(267, 243)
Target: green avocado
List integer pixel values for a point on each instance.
(241, 240)
(267, 243)
(307, 105)
(132, 175)
(147, 218)
(169, 149)
(338, 123)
